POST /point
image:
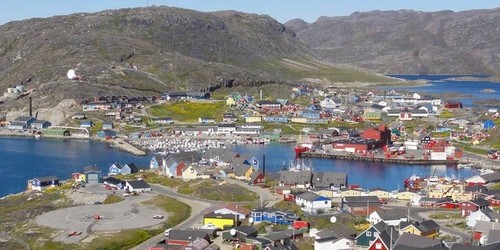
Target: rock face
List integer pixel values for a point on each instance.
(408, 41)
(140, 51)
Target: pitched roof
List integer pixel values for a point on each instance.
(480, 202)
(493, 177)
(492, 215)
(176, 234)
(424, 226)
(47, 178)
(292, 177)
(392, 214)
(327, 179)
(361, 199)
(337, 231)
(91, 168)
(485, 226)
(309, 196)
(413, 240)
(380, 227)
(138, 184)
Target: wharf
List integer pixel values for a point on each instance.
(123, 145)
(352, 157)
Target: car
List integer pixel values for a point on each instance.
(158, 216)
(98, 202)
(74, 233)
(210, 226)
(167, 232)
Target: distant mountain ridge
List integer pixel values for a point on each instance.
(407, 41)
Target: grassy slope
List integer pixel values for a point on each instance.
(189, 111)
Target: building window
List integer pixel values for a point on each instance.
(375, 234)
(378, 245)
(326, 202)
(368, 233)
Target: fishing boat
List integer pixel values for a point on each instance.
(302, 147)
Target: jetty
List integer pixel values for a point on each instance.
(124, 145)
(353, 157)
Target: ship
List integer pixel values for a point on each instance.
(302, 147)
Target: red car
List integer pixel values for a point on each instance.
(74, 233)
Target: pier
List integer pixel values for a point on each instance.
(352, 157)
(123, 145)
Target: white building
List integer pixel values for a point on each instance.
(311, 202)
(327, 239)
(390, 217)
(482, 215)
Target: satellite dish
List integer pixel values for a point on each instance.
(250, 220)
(483, 240)
(71, 74)
(333, 219)
(313, 232)
(232, 232)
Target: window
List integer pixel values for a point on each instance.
(378, 245)
(368, 233)
(326, 202)
(375, 234)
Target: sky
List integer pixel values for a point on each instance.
(281, 10)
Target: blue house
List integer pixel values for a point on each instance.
(254, 162)
(371, 234)
(107, 125)
(272, 216)
(93, 174)
(157, 162)
(314, 107)
(115, 169)
(281, 119)
(129, 168)
(86, 124)
(311, 114)
(41, 183)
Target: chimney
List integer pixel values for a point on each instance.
(31, 107)
(264, 165)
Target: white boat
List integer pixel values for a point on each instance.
(465, 165)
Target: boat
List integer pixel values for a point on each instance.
(465, 165)
(302, 147)
(413, 182)
(38, 136)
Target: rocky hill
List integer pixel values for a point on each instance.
(144, 51)
(408, 41)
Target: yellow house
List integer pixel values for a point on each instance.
(252, 119)
(190, 173)
(298, 120)
(380, 193)
(428, 228)
(222, 221)
(350, 192)
(326, 193)
(230, 101)
(405, 195)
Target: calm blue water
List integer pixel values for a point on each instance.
(26, 158)
(439, 85)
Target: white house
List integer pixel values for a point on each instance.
(137, 186)
(416, 96)
(328, 239)
(234, 209)
(485, 214)
(311, 202)
(390, 217)
(329, 103)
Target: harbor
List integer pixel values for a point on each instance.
(376, 158)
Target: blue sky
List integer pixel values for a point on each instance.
(282, 10)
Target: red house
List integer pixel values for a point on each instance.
(468, 207)
(179, 168)
(382, 134)
(379, 244)
(453, 105)
(257, 178)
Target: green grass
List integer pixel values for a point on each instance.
(446, 215)
(125, 239)
(112, 199)
(189, 111)
(177, 211)
(446, 114)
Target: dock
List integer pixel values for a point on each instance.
(352, 157)
(123, 145)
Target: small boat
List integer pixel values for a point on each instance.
(465, 165)
(38, 136)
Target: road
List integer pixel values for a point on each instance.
(199, 207)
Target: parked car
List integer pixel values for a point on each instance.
(74, 233)
(158, 216)
(167, 232)
(210, 226)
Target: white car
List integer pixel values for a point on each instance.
(210, 226)
(167, 232)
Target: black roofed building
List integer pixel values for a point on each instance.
(137, 186)
(240, 233)
(329, 180)
(41, 183)
(295, 179)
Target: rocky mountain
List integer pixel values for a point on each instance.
(144, 51)
(408, 41)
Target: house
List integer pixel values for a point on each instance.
(485, 214)
(257, 177)
(360, 205)
(453, 105)
(78, 177)
(295, 179)
(107, 125)
(41, 183)
(106, 134)
(21, 123)
(329, 180)
(114, 182)
(239, 234)
(313, 203)
(467, 207)
(428, 228)
(137, 186)
(311, 114)
(185, 237)
(93, 174)
(40, 124)
(385, 240)
(129, 168)
(268, 105)
(330, 103)
(391, 217)
(221, 221)
(333, 238)
(253, 119)
(157, 162)
(272, 216)
(483, 228)
(240, 211)
(382, 194)
(275, 119)
(412, 241)
(367, 237)
(226, 129)
(162, 120)
(406, 195)
(205, 120)
(115, 169)
(79, 116)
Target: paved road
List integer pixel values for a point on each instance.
(199, 207)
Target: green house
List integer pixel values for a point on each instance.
(369, 235)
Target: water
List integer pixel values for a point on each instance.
(439, 85)
(26, 158)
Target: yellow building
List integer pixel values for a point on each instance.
(428, 228)
(350, 192)
(230, 101)
(253, 119)
(221, 221)
(405, 195)
(298, 120)
(380, 193)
